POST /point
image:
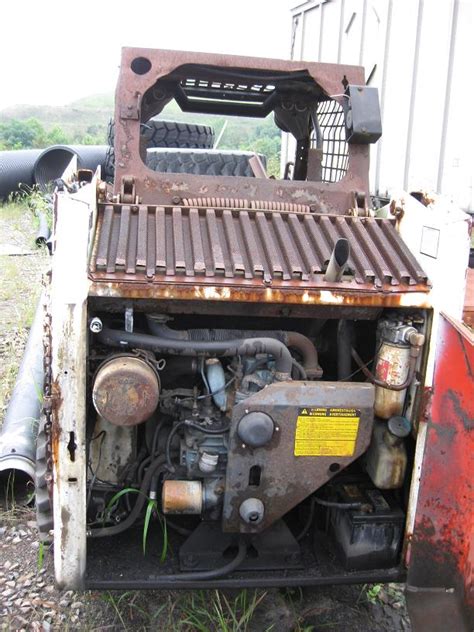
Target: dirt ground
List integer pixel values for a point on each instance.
(29, 599)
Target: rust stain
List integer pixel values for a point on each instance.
(139, 290)
(56, 400)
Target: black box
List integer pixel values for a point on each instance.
(362, 115)
(369, 537)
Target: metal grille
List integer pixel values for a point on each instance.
(209, 245)
(335, 153)
(224, 89)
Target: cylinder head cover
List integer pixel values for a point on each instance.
(126, 390)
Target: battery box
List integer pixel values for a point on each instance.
(369, 537)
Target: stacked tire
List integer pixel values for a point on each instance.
(163, 134)
(173, 147)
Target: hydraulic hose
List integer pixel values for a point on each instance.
(292, 339)
(215, 572)
(392, 387)
(239, 347)
(344, 341)
(137, 508)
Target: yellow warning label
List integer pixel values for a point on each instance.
(326, 431)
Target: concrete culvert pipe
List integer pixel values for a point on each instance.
(16, 167)
(52, 162)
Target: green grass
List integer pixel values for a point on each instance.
(197, 611)
(20, 287)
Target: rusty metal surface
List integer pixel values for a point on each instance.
(287, 479)
(246, 85)
(441, 552)
(181, 249)
(126, 390)
(182, 497)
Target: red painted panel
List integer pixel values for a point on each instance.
(442, 548)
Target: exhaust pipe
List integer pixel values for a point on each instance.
(338, 261)
(20, 426)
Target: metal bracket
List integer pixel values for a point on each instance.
(127, 191)
(359, 206)
(130, 111)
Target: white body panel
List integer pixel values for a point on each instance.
(69, 290)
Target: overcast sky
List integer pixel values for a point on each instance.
(53, 51)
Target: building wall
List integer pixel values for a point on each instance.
(420, 55)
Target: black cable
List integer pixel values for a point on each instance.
(174, 430)
(137, 508)
(300, 368)
(222, 388)
(201, 428)
(309, 521)
(215, 572)
(189, 424)
(178, 528)
(337, 505)
(101, 434)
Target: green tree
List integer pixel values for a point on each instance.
(21, 134)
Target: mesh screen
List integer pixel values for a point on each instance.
(335, 154)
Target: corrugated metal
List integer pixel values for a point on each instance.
(415, 52)
(219, 245)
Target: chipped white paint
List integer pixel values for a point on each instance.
(415, 485)
(69, 290)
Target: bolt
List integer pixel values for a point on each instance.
(95, 325)
(176, 199)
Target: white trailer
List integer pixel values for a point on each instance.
(419, 55)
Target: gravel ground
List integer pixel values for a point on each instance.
(29, 599)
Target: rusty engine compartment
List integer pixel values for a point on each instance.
(255, 346)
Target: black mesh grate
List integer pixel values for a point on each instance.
(335, 154)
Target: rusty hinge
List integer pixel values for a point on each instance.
(127, 191)
(359, 207)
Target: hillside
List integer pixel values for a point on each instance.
(85, 121)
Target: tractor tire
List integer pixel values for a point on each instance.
(201, 162)
(44, 504)
(158, 133)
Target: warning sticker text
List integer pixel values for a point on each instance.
(326, 431)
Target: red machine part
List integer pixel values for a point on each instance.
(440, 586)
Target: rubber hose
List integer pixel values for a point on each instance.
(137, 508)
(344, 341)
(240, 347)
(215, 572)
(391, 387)
(293, 339)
